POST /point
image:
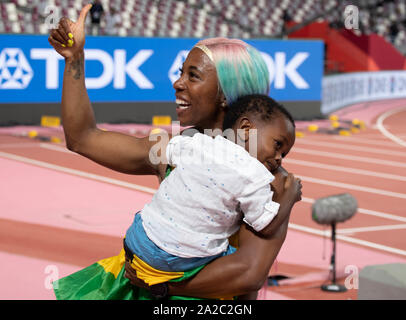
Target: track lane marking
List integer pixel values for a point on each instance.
(290, 160)
(319, 165)
(384, 131)
(318, 153)
(152, 191)
(368, 212)
(372, 228)
(353, 187)
(348, 239)
(351, 147)
(367, 141)
(304, 178)
(77, 172)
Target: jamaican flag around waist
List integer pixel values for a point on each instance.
(104, 280)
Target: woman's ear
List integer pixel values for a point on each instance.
(222, 99)
(223, 103)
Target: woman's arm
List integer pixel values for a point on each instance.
(117, 151)
(240, 273)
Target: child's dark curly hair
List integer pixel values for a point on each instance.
(266, 107)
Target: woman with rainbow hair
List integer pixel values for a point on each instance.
(215, 73)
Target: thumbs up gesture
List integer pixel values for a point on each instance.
(69, 38)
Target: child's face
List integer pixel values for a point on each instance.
(275, 139)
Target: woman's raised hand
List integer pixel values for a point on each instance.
(69, 38)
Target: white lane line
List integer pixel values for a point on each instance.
(77, 172)
(309, 179)
(344, 169)
(56, 148)
(351, 147)
(290, 160)
(307, 163)
(313, 180)
(369, 229)
(384, 131)
(152, 191)
(348, 239)
(368, 141)
(382, 215)
(63, 149)
(18, 145)
(353, 187)
(318, 153)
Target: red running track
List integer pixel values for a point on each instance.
(61, 212)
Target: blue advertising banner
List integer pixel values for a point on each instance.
(143, 69)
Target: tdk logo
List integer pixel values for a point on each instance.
(15, 71)
(279, 68)
(115, 69)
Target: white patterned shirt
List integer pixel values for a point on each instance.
(214, 185)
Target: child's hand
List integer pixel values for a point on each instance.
(69, 38)
(293, 188)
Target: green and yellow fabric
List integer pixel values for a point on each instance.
(104, 280)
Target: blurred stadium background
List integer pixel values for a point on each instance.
(338, 66)
(374, 40)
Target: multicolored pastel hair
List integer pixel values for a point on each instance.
(241, 70)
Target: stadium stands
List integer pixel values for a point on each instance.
(207, 18)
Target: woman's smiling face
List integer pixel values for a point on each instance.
(198, 95)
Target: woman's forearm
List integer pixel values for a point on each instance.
(240, 273)
(77, 112)
(226, 276)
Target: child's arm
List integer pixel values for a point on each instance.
(290, 195)
(265, 210)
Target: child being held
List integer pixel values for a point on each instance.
(214, 184)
